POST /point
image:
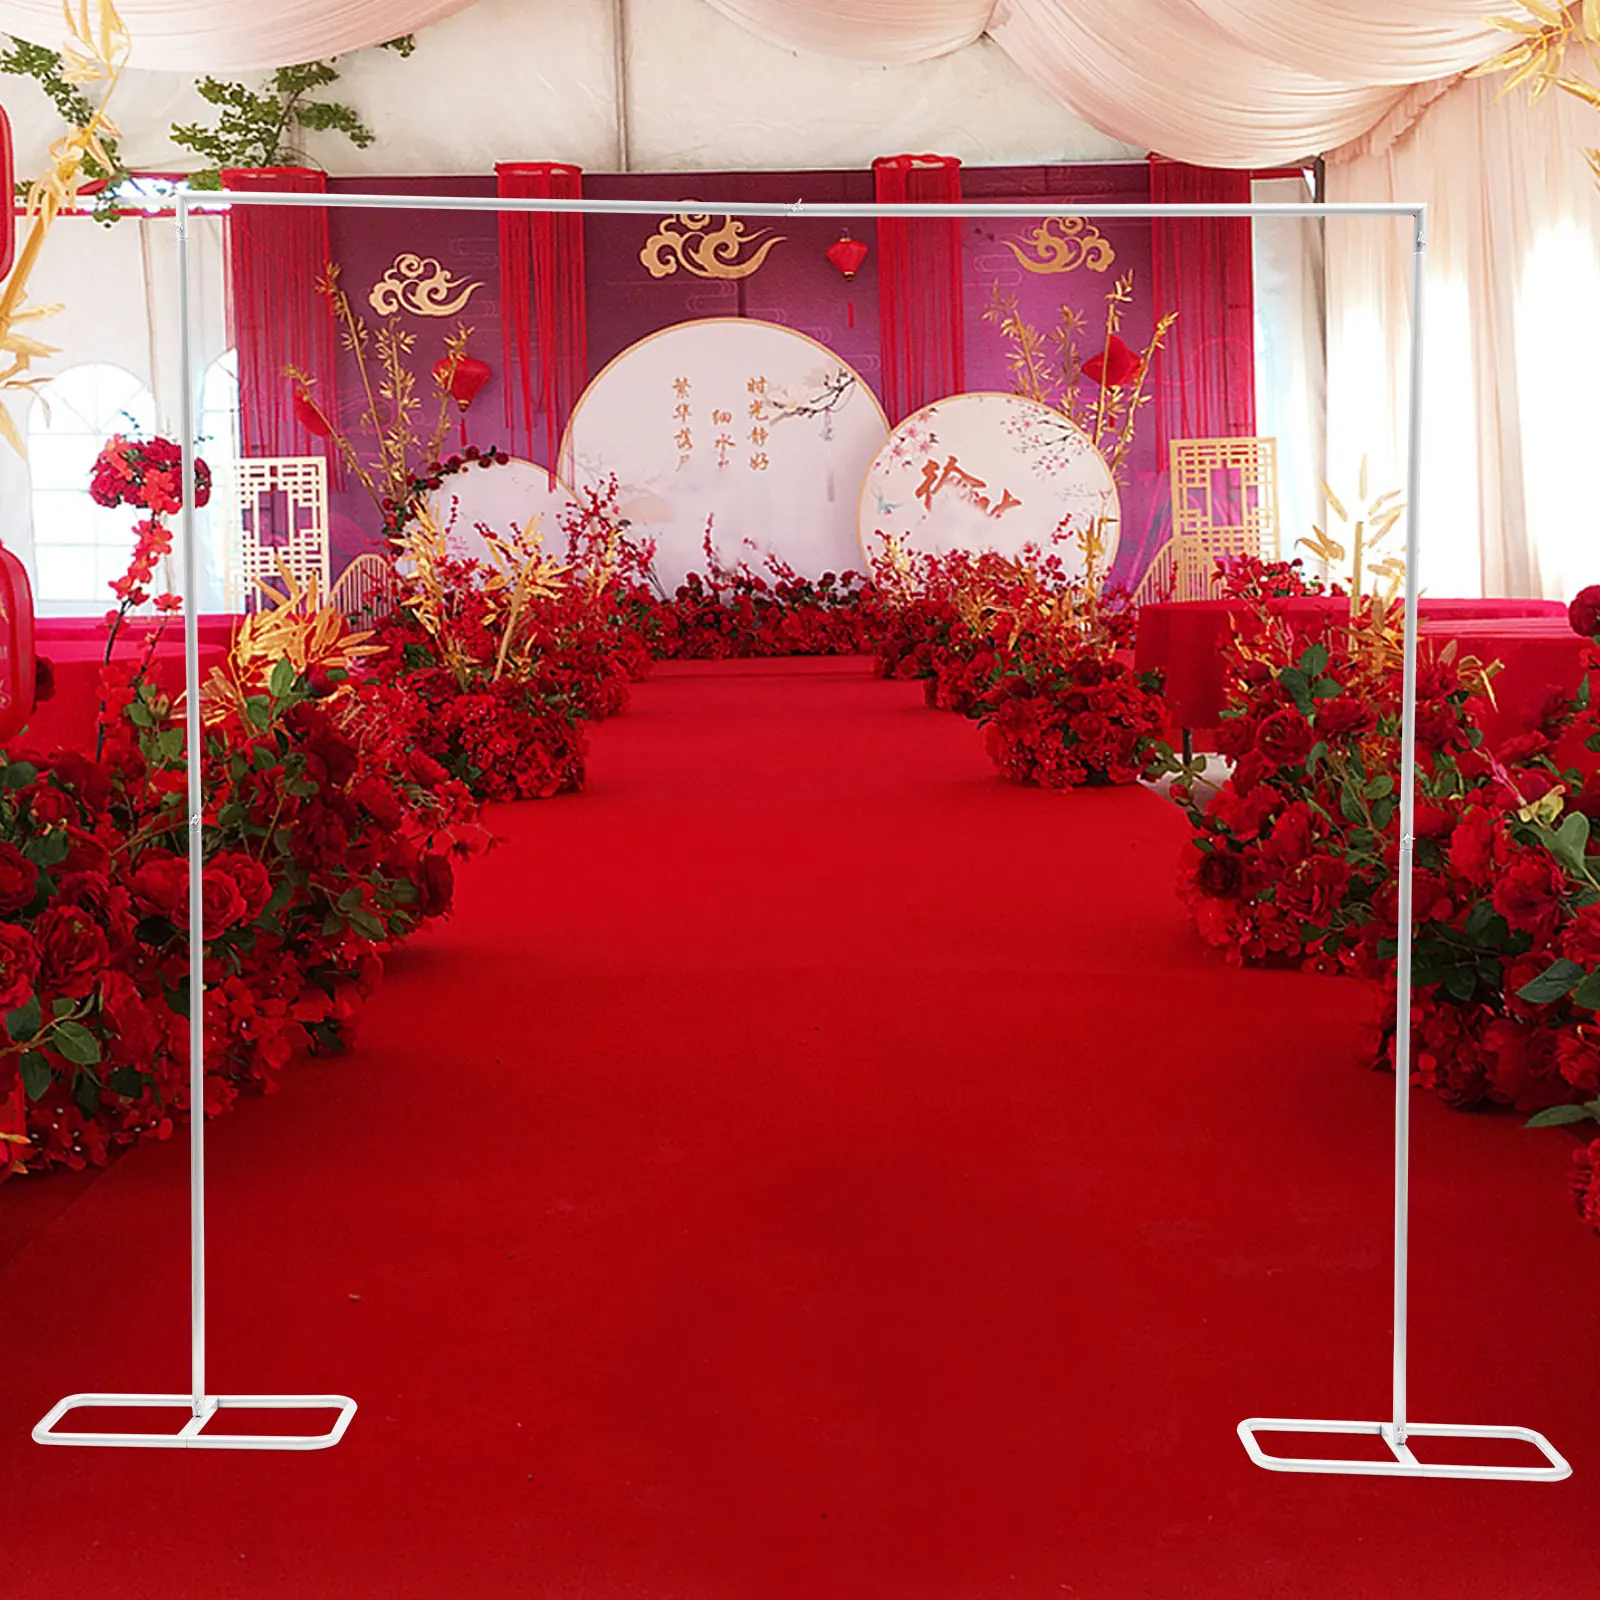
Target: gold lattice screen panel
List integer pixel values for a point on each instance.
(1224, 503)
(277, 512)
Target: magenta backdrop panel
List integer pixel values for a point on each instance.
(795, 286)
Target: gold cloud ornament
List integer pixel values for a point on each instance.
(1063, 244)
(421, 286)
(684, 241)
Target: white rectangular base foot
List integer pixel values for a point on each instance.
(195, 1435)
(1404, 1465)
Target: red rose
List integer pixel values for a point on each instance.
(48, 806)
(72, 950)
(1521, 1063)
(1342, 717)
(19, 966)
(106, 902)
(437, 886)
(19, 879)
(1579, 1062)
(1580, 939)
(1313, 890)
(1584, 612)
(1472, 847)
(249, 877)
(1290, 839)
(1220, 874)
(223, 904)
(381, 801)
(1284, 738)
(85, 853)
(1528, 894)
(161, 886)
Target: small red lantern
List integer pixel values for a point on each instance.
(1115, 367)
(462, 377)
(846, 255)
(8, 230)
(309, 415)
(17, 664)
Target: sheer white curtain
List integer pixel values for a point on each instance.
(1512, 405)
(1291, 370)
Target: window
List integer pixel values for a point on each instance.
(79, 547)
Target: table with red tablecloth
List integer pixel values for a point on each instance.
(76, 648)
(1185, 639)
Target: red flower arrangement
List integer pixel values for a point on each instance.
(147, 473)
(1037, 658)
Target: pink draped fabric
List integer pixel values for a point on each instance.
(1202, 269)
(919, 285)
(279, 320)
(542, 301)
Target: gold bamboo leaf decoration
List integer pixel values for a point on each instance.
(95, 53)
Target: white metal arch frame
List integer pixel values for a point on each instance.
(1395, 1431)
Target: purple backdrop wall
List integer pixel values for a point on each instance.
(795, 286)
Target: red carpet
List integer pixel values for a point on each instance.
(807, 1167)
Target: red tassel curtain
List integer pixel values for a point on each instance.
(279, 320)
(542, 303)
(1202, 268)
(921, 309)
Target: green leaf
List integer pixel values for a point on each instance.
(1567, 844)
(1587, 993)
(76, 1043)
(20, 773)
(36, 1074)
(1460, 983)
(281, 679)
(1561, 977)
(1380, 787)
(62, 1007)
(367, 925)
(1555, 1116)
(258, 708)
(1314, 660)
(128, 1082)
(24, 1022)
(86, 1091)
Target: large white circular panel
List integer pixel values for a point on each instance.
(989, 472)
(758, 428)
(500, 499)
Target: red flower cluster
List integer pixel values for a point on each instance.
(1038, 659)
(147, 473)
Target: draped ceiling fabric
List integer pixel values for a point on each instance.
(1221, 83)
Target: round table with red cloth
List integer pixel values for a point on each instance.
(76, 650)
(1184, 640)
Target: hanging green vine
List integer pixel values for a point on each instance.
(264, 128)
(23, 60)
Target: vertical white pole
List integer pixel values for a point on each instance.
(1408, 808)
(192, 749)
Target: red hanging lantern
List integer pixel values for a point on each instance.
(309, 415)
(1115, 366)
(845, 255)
(462, 377)
(17, 665)
(8, 230)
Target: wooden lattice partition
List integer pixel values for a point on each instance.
(275, 513)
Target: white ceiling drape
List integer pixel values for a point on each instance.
(225, 36)
(1215, 82)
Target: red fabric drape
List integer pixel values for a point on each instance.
(279, 320)
(543, 307)
(1205, 376)
(921, 310)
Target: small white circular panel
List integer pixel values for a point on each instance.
(756, 427)
(988, 472)
(501, 499)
